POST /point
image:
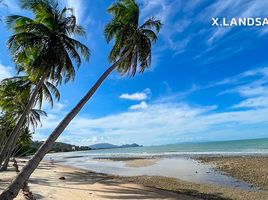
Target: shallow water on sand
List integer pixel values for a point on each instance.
(180, 167)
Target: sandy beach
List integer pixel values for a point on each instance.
(80, 184)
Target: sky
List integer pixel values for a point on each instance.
(205, 83)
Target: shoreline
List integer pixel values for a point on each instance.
(85, 184)
(60, 157)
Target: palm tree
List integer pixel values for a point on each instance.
(7, 123)
(24, 139)
(43, 47)
(14, 95)
(132, 52)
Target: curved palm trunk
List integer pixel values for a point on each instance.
(16, 131)
(14, 188)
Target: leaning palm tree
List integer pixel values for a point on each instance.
(131, 52)
(43, 47)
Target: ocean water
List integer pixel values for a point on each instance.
(252, 146)
(176, 161)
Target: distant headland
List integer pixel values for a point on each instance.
(112, 146)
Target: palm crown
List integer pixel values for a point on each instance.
(131, 38)
(44, 45)
(14, 95)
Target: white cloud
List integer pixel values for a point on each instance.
(171, 121)
(184, 23)
(139, 106)
(137, 96)
(57, 106)
(257, 86)
(167, 121)
(256, 95)
(5, 72)
(251, 83)
(254, 92)
(166, 11)
(79, 9)
(11, 5)
(253, 102)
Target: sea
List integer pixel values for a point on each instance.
(173, 160)
(250, 146)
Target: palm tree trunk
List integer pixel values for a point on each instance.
(5, 165)
(14, 188)
(4, 138)
(3, 141)
(16, 131)
(9, 153)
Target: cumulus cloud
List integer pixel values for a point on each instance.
(172, 121)
(137, 96)
(141, 105)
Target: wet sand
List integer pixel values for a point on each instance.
(132, 162)
(183, 168)
(82, 184)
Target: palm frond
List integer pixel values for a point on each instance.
(152, 23)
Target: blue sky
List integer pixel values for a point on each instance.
(205, 83)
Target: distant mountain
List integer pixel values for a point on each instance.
(103, 146)
(112, 146)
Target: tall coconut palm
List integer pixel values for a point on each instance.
(132, 52)
(44, 48)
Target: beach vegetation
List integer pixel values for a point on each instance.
(43, 48)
